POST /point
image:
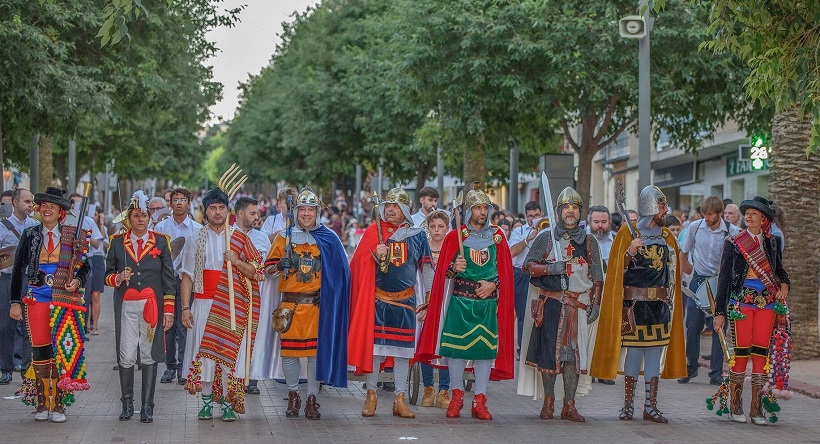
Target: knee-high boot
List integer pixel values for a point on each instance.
(736, 396)
(127, 389)
(756, 407)
(629, 397)
(149, 385)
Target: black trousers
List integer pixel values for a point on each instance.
(176, 336)
(7, 325)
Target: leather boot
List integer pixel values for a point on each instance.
(456, 403)
(370, 403)
(400, 407)
(127, 389)
(41, 413)
(736, 397)
(480, 408)
(294, 404)
(312, 408)
(756, 407)
(651, 412)
(548, 409)
(629, 396)
(443, 399)
(58, 414)
(569, 412)
(149, 385)
(429, 398)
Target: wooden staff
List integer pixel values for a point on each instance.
(230, 182)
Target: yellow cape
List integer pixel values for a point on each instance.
(606, 357)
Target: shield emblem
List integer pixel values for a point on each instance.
(480, 257)
(398, 253)
(306, 265)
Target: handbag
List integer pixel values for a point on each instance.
(537, 309)
(282, 318)
(628, 320)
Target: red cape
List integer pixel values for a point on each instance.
(429, 339)
(362, 299)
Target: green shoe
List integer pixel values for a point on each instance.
(206, 412)
(227, 413)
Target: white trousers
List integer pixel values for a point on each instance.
(134, 335)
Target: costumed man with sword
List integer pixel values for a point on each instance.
(222, 268)
(565, 265)
(140, 268)
(312, 319)
(471, 314)
(52, 257)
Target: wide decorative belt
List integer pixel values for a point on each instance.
(649, 294)
(311, 297)
(565, 297)
(43, 278)
(150, 313)
(392, 297)
(465, 288)
(750, 296)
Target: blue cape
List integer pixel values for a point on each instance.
(334, 309)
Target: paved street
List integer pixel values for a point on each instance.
(93, 419)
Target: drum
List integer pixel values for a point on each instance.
(702, 299)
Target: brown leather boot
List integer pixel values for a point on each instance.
(736, 397)
(400, 407)
(569, 412)
(429, 398)
(443, 399)
(548, 409)
(294, 404)
(629, 396)
(456, 403)
(370, 403)
(756, 407)
(651, 412)
(312, 408)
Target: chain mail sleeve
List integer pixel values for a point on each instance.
(541, 244)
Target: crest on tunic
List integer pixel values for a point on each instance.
(480, 257)
(398, 253)
(497, 238)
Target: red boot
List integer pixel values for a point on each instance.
(456, 403)
(480, 408)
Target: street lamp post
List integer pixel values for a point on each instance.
(639, 28)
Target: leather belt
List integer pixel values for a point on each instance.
(466, 288)
(392, 297)
(301, 298)
(565, 297)
(645, 294)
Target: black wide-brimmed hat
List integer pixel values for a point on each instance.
(53, 195)
(760, 204)
(215, 196)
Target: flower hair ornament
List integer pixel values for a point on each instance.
(140, 200)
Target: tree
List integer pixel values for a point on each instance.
(779, 40)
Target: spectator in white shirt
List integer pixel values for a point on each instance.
(277, 222)
(520, 240)
(428, 198)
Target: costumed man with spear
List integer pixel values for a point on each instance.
(52, 257)
(471, 313)
(220, 266)
(388, 262)
(312, 319)
(140, 268)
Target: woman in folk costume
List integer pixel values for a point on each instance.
(212, 346)
(43, 257)
(569, 299)
(312, 319)
(140, 268)
(470, 316)
(752, 291)
(642, 310)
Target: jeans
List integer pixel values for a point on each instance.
(176, 336)
(522, 286)
(427, 377)
(694, 322)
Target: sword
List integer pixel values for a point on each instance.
(382, 260)
(550, 210)
(288, 231)
(721, 336)
(620, 199)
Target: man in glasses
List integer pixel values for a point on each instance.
(179, 225)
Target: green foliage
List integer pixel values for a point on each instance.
(778, 40)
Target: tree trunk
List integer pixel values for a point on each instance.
(794, 184)
(474, 168)
(2, 164)
(46, 167)
(423, 170)
(583, 184)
